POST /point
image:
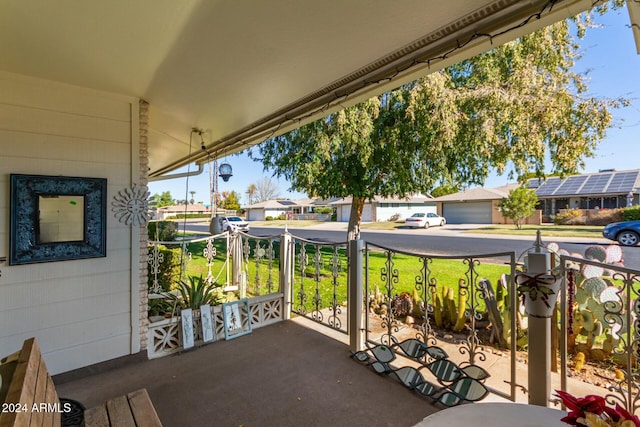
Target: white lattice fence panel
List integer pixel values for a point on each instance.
(164, 336)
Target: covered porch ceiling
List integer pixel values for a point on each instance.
(244, 71)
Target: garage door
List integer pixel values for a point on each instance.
(467, 213)
(367, 213)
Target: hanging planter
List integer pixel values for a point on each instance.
(539, 292)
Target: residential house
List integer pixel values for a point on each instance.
(606, 189)
(270, 208)
(385, 208)
(600, 190)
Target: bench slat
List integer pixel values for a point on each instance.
(96, 416)
(143, 411)
(37, 418)
(22, 387)
(52, 417)
(120, 412)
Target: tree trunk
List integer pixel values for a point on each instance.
(357, 205)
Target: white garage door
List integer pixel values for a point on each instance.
(367, 213)
(467, 213)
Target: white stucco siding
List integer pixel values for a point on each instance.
(81, 310)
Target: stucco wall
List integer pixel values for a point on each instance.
(81, 310)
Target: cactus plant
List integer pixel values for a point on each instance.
(402, 305)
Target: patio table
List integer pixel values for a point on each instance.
(496, 415)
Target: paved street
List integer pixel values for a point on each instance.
(447, 240)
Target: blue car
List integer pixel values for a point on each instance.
(627, 233)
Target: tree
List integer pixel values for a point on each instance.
(192, 200)
(231, 201)
(163, 199)
(251, 192)
(520, 203)
(265, 189)
(509, 109)
(444, 190)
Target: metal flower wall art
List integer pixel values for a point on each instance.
(130, 206)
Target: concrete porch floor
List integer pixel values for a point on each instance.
(281, 375)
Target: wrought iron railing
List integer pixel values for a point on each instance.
(319, 288)
(391, 318)
(260, 263)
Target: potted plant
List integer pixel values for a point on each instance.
(539, 292)
(196, 292)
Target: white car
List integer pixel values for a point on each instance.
(233, 223)
(424, 220)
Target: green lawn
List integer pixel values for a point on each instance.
(319, 284)
(549, 230)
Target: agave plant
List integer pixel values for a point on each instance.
(196, 292)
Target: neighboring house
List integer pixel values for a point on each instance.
(295, 209)
(170, 211)
(607, 189)
(385, 209)
(270, 208)
(474, 206)
(601, 190)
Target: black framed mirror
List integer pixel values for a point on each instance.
(56, 218)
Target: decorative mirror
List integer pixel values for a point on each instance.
(56, 218)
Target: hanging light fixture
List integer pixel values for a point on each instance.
(225, 171)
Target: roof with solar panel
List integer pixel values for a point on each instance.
(608, 182)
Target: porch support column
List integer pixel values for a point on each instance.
(286, 272)
(539, 331)
(355, 300)
(236, 264)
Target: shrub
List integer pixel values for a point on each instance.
(168, 270)
(282, 216)
(191, 215)
(569, 217)
(323, 210)
(166, 231)
(394, 217)
(630, 214)
(269, 218)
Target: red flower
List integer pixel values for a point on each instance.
(622, 414)
(579, 405)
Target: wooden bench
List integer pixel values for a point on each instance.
(32, 399)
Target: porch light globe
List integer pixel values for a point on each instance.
(225, 171)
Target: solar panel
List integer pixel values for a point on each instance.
(286, 202)
(596, 184)
(623, 182)
(571, 185)
(534, 183)
(548, 187)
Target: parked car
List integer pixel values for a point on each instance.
(233, 223)
(627, 233)
(424, 220)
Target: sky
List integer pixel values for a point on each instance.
(608, 56)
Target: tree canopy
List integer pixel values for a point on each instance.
(161, 200)
(511, 109)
